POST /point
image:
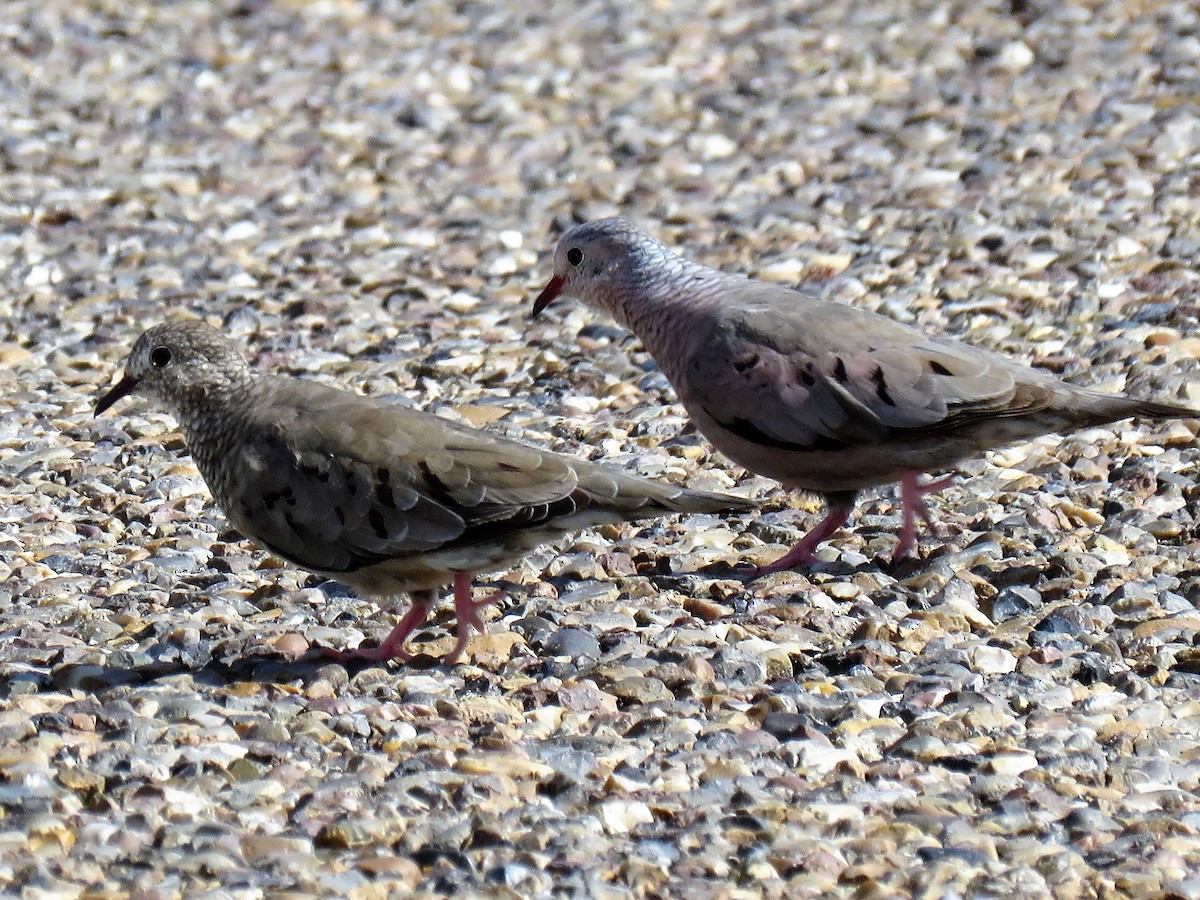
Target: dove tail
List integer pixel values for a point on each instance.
(636, 497)
(1151, 409)
(1105, 408)
(686, 501)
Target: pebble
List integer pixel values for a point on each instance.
(1013, 601)
(573, 643)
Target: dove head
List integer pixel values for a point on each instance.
(606, 264)
(178, 364)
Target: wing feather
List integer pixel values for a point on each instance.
(829, 376)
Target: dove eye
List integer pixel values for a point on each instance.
(160, 356)
(575, 256)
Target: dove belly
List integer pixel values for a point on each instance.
(850, 469)
(859, 466)
(431, 569)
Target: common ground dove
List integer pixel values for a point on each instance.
(820, 396)
(384, 498)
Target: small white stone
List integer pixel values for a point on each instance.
(836, 262)
(402, 731)
(42, 275)
(510, 239)
(1038, 260)
(1012, 763)
(239, 231)
(207, 80)
(622, 816)
(1125, 247)
(424, 238)
(503, 265)
(1014, 56)
(460, 302)
(459, 79)
(932, 178)
(584, 405)
(817, 759)
(843, 590)
(785, 270)
(988, 660)
(716, 146)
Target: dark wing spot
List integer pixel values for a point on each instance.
(748, 431)
(383, 490)
(436, 487)
(881, 390)
(383, 495)
(524, 517)
(312, 470)
(938, 369)
(839, 370)
(340, 513)
(745, 364)
(270, 498)
(806, 376)
(375, 520)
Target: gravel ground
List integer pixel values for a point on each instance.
(367, 193)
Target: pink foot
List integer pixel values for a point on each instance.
(393, 645)
(466, 611)
(805, 551)
(911, 499)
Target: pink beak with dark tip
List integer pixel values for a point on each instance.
(549, 292)
(122, 388)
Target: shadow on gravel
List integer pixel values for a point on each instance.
(265, 668)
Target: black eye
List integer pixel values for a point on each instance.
(160, 356)
(575, 256)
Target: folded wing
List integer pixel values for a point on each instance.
(826, 376)
(336, 482)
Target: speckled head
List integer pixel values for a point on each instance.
(174, 361)
(594, 261)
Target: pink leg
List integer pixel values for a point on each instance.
(466, 611)
(911, 499)
(804, 552)
(393, 645)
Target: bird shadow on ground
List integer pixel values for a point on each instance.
(263, 668)
(814, 574)
(275, 668)
(724, 571)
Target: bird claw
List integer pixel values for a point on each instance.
(912, 494)
(466, 612)
(393, 645)
(805, 551)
